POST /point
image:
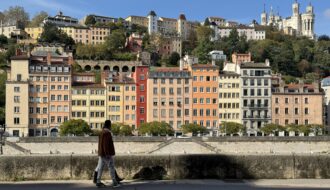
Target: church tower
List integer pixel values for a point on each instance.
(308, 20)
(152, 22)
(296, 18)
(264, 17)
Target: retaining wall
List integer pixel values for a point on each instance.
(55, 167)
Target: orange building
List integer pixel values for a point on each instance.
(239, 58)
(205, 95)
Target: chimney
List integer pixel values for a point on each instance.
(49, 58)
(267, 62)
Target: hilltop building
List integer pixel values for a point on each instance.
(299, 24)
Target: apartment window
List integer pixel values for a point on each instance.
(286, 122)
(186, 112)
(286, 100)
(201, 78)
(251, 82)
(171, 81)
(252, 92)
(201, 100)
(266, 82)
(16, 109)
(171, 91)
(201, 112)
(195, 89)
(306, 122)
(259, 92)
(195, 78)
(186, 89)
(245, 92)
(141, 99)
(306, 100)
(276, 100)
(201, 89)
(276, 110)
(155, 91)
(141, 110)
(163, 81)
(155, 81)
(16, 99)
(296, 100)
(296, 121)
(19, 77)
(16, 89)
(195, 112)
(163, 91)
(178, 81)
(296, 111)
(306, 111)
(16, 120)
(163, 113)
(286, 110)
(265, 92)
(178, 91)
(141, 87)
(59, 119)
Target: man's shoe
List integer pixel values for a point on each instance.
(119, 179)
(116, 184)
(95, 178)
(100, 184)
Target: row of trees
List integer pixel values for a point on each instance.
(271, 129)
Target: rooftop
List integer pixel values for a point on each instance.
(254, 65)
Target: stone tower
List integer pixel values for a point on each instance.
(308, 20)
(181, 26)
(296, 18)
(264, 17)
(152, 22)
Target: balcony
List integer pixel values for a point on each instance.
(257, 106)
(256, 117)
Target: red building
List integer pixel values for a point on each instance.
(141, 76)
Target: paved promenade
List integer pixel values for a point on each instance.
(300, 184)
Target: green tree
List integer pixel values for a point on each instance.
(232, 128)
(2, 115)
(193, 128)
(156, 128)
(3, 78)
(116, 41)
(76, 127)
(38, 19)
(271, 128)
(125, 130)
(90, 20)
(138, 29)
(207, 22)
(52, 34)
(174, 58)
(17, 15)
(3, 41)
(324, 38)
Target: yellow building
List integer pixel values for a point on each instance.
(34, 32)
(121, 101)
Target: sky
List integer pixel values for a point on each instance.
(243, 11)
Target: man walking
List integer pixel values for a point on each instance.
(106, 151)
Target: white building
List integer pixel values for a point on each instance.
(251, 33)
(217, 55)
(325, 85)
(61, 20)
(300, 24)
(255, 96)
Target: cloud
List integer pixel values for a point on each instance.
(327, 13)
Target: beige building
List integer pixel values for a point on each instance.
(17, 97)
(239, 58)
(229, 97)
(300, 104)
(169, 95)
(45, 104)
(87, 35)
(11, 31)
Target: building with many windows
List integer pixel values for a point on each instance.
(121, 98)
(251, 33)
(205, 95)
(141, 78)
(169, 95)
(47, 97)
(229, 97)
(88, 100)
(87, 35)
(300, 104)
(255, 96)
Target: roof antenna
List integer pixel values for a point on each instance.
(264, 7)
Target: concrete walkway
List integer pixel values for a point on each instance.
(305, 184)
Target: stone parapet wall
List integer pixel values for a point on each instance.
(78, 167)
